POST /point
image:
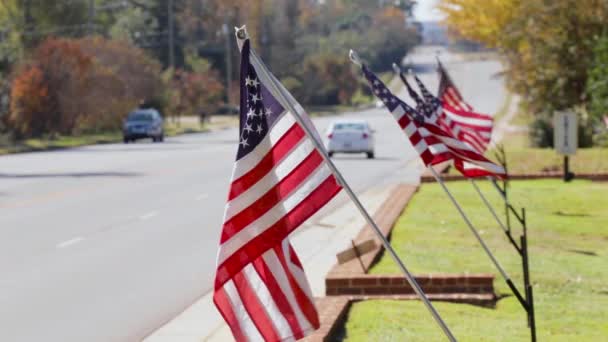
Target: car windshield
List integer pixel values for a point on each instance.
(140, 116)
(349, 126)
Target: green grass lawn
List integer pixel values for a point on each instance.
(568, 235)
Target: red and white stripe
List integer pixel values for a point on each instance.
(460, 118)
(260, 287)
(467, 160)
(269, 299)
(431, 150)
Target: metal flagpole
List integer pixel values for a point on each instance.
(283, 98)
(481, 242)
(489, 206)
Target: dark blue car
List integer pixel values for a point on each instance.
(143, 123)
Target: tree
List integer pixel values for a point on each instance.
(547, 46)
(72, 86)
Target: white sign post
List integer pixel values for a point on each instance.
(565, 138)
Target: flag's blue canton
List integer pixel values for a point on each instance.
(432, 103)
(390, 101)
(259, 109)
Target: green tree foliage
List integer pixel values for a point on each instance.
(597, 90)
(548, 46)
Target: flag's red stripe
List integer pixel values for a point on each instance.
(455, 123)
(278, 296)
(272, 196)
(255, 309)
(294, 258)
(308, 308)
(285, 144)
(473, 138)
(278, 231)
(225, 308)
(404, 121)
(467, 113)
(458, 152)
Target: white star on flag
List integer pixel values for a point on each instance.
(255, 98)
(247, 128)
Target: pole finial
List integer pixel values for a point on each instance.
(241, 32)
(355, 58)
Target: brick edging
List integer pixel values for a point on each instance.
(598, 177)
(374, 285)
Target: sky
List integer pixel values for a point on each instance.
(426, 11)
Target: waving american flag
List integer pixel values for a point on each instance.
(279, 180)
(433, 143)
(458, 116)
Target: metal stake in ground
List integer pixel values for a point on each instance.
(480, 240)
(283, 98)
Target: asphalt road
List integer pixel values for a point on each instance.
(107, 242)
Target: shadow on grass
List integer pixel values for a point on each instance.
(578, 251)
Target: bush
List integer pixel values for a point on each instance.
(74, 86)
(541, 131)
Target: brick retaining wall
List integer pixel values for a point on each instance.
(370, 285)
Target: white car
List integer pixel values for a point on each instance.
(352, 136)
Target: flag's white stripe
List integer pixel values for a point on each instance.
(470, 121)
(467, 164)
(244, 320)
(398, 113)
(281, 327)
(298, 274)
(454, 143)
(280, 171)
(269, 218)
(438, 149)
(410, 129)
(279, 273)
(421, 146)
(248, 162)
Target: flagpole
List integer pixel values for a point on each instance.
(489, 206)
(283, 99)
(479, 239)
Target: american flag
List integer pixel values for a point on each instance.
(432, 143)
(459, 117)
(279, 180)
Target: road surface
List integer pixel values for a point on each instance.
(108, 242)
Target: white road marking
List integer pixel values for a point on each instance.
(70, 242)
(149, 215)
(201, 197)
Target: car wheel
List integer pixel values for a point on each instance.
(330, 153)
(161, 138)
(370, 155)
(125, 140)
